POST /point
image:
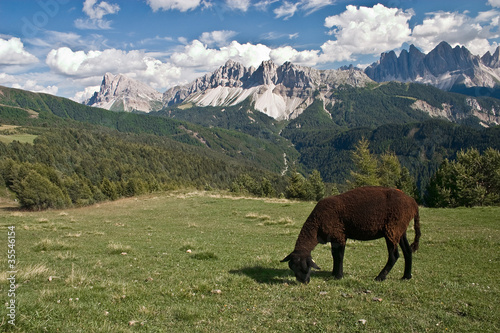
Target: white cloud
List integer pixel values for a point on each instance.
(159, 75)
(88, 92)
(457, 29)
(217, 38)
(287, 53)
(197, 54)
(12, 52)
(366, 30)
(32, 85)
(181, 5)
(264, 4)
(238, 4)
(6, 79)
(200, 56)
(314, 5)
(80, 64)
(134, 63)
(288, 9)
(96, 11)
(84, 24)
(494, 3)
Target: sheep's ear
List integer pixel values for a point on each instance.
(288, 258)
(311, 263)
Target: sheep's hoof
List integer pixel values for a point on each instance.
(406, 277)
(380, 278)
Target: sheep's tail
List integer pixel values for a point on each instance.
(416, 222)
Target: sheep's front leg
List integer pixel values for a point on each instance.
(392, 249)
(338, 260)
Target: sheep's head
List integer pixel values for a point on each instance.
(301, 265)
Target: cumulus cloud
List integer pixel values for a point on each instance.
(457, 29)
(80, 64)
(372, 30)
(200, 56)
(136, 64)
(366, 30)
(494, 3)
(217, 38)
(96, 11)
(33, 86)
(181, 5)
(84, 95)
(242, 5)
(197, 54)
(6, 79)
(12, 52)
(287, 53)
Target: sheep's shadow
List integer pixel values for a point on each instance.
(266, 275)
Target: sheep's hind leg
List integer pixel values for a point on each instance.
(406, 248)
(338, 260)
(392, 249)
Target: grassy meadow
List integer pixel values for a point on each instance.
(202, 262)
(9, 133)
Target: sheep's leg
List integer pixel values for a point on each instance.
(392, 249)
(338, 260)
(406, 248)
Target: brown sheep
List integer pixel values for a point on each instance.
(364, 213)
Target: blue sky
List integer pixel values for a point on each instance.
(64, 47)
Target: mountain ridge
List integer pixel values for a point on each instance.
(444, 67)
(282, 92)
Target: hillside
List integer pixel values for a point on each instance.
(85, 147)
(26, 108)
(79, 155)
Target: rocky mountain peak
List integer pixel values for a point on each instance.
(121, 93)
(492, 61)
(445, 67)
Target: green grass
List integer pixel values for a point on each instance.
(201, 263)
(10, 133)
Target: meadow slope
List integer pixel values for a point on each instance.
(204, 262)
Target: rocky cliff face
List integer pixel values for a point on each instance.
(121, 93)
(444, 67)
(282, 92)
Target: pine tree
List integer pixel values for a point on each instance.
(366, 165)
(389, 170)
(471, 180)
(317, 185)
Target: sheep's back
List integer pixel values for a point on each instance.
(365, 213)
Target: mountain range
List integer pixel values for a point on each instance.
(284, 92)
(281, 92)
(451, 69)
